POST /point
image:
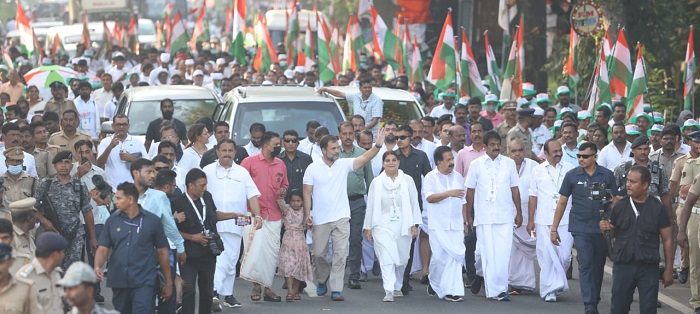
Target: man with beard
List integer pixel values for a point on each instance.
(256, 133)
(58, 103)
(473, 114)
(325, 191)
(569, 134)
(420, 143)
(494, 196)
(461, 119)
(618, 151)
(390, 144)
(12, 137)
(544, 194)
(222, 131)
(167, 109)
(521, 132)
(564, 96)
(619, 113)
(669, 139)
(358, 183)
(447, 107)
(446, 206)
(457, 139)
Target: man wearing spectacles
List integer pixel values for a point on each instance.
(167, 134)
(584, 219)
(116, 153)
(295, 160)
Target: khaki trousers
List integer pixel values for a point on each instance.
(331, 274)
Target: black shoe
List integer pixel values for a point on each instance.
(302, 286)
(569, 272)
(476, 284)
(683, 275)
(430, 291)
(697, 310)
(354, 284)
(99, 298)
(406, 288)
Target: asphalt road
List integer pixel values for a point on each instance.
(369, 300)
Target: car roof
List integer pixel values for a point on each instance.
(174, 92)
(384, 93)
(279, 93)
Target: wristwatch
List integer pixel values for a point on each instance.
(378, 146)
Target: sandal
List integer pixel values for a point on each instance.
(255, 295)
(289, 297)
(270, 296)
(297, 297)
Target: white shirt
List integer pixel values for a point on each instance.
(190, 160)
(251, 149)
(488, 176)
(117, 170)
(539, 136)
(429, 149)
(230, 188)
(153, 151)
(525, 177)
(330, 189)
(89, 116)
(305, 146)
(110, 109)
(38, 108)
(609, 157)
(445, 214)
(28, 163)
(545, 183)
(440, 110)
(102, 97)
(100, 213)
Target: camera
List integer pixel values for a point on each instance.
(598, 192)
(101, 186)
(215, 244)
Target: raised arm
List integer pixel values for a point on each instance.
(368, 155)
(333, 92)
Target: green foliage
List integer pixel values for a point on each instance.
(661, 27)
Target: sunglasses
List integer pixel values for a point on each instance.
(402, 137)
(291, 140)
(584, 156)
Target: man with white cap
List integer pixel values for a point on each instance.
(79, 284)
(197, 77)
(529, 91)
(214, 85)
(164, 61)
(539, 131)
(564, 96)
(103, 95)
(543, 100)
(118, 69)
(189, 68)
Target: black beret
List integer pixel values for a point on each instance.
(51, 241)
(64, 154)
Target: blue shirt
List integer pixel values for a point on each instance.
(371, 108)
(157, 203)
(585, 213)
(569, 155)
(133, 243)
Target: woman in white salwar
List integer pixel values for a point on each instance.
(391, 222)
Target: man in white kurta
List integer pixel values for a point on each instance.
(444, 191)
(492, 190)
(232, 188)
(544, 194)
(521, 274)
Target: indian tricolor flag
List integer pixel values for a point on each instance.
(492, 67)
(26, 38)
(292, 39)
(198, 28)
(351, 50)
(620, 66)
(385, 42)
(326, 71)
(512, 78)
(688, 72)
(306, 58)
(635, 98)
(602, 81)
(7, 59)
(416, 64)
(132, 32)
(570, 65)
(237, 49)
(443, 69)
(266, 54)
(86, 32)
(178, 36)
(469, 76)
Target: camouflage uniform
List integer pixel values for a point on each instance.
(659, 179)
(66, 201)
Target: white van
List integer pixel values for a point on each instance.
(72, 35)
(277, 23)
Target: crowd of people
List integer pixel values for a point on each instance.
(470, 196)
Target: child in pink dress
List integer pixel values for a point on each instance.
(294, 261)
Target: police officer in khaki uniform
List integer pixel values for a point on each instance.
(508, 109)
(69, 134)
(23, 222)
(42, 158)
(16, 294)
(45, 272)
(79, 288)
(689, 216)
(18, 183)
(521, 131)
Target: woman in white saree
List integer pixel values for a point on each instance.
(391, 221)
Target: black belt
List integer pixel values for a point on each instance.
(355, 197)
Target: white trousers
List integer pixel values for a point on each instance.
(225, 273)
(521, 271)
(493, 249)
(553, 260)
(392, 277)
(445, 271)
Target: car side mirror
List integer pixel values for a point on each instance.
(106, 127)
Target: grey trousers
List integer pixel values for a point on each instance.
(331, 274)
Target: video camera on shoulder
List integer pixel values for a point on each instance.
(101, 186)
(598, 192)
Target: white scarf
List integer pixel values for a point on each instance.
(399, 188)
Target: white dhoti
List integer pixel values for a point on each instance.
(446, 261)
(493, 249)
(225, 273)
(553, 260)
(392, 250)
(521, 272)
(262, 249)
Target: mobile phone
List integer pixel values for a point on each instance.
(243, 221)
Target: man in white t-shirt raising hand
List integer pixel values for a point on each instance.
(325, 190)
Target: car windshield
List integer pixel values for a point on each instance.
(400, 111)
(281, 117)
(141, 113)
(146, 29)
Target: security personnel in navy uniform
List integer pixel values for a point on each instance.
(45, 272)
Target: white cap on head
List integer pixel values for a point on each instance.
(299, 69)
(165, 57)
(282, 57)
(216, 76)
(289, 74)
(490, 98)
(189, 62)
(197, 72)
(538, 111)
(220, 61)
